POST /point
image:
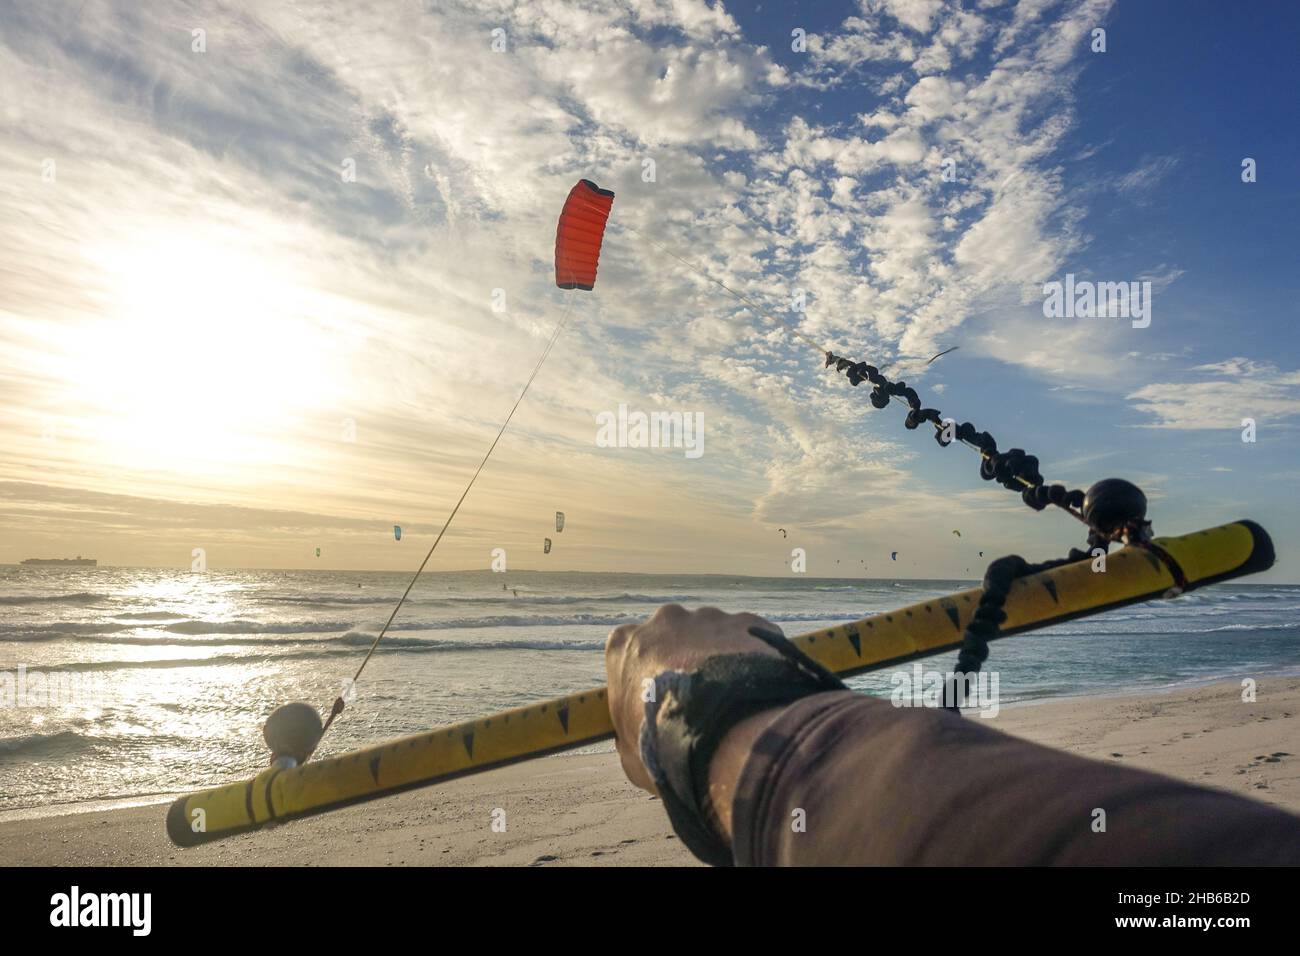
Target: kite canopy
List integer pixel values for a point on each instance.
(579, 233)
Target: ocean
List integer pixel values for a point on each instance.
(145, 682)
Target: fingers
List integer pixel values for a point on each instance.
(747, 620)
(623, 700)
(673, 638)
(673, 612)
(678, 636)
(618, 639)
(635, 769)
(663, 619)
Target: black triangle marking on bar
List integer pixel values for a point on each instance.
(953, 616)
(374, 768)
(563, 714)
(469, 744)
(854, 638)
(1051, 589)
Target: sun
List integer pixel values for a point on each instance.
(205, 359)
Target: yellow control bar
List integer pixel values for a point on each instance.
(1074, 590)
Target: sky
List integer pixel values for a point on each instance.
(272, 286)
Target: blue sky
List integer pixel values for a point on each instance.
(197, 299)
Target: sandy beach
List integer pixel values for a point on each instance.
(580, 810)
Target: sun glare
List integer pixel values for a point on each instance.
(203, 361)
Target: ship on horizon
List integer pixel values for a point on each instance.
(77, 562)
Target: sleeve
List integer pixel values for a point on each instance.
(844, 779)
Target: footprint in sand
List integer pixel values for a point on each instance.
(544, 858)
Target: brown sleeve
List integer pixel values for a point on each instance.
(884, 785)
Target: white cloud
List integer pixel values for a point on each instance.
(1146, 176)
(916, 15)
(934, 251)
(1225, 393)
(858, 42)
(1026, 13)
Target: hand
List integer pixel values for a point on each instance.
(674, 639)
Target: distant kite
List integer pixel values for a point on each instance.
(318, 552)
(783, 534)
(956, 532)
(945, 352)
(981, 554)
(397, 532)
(893, 555)
(559, 521)
(546, 546)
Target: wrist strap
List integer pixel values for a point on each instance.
(690, 713)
